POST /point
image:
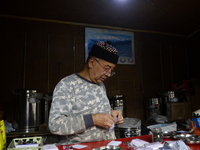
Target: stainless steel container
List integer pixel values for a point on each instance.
(45, 105)
(127, 132)
(29, 110)
(129, 128)
(118, 102)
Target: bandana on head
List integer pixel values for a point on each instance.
(105, 51)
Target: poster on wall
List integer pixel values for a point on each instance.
(123, 41)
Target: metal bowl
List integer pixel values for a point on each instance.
(188, 138)
(109, 148)
(168, 134)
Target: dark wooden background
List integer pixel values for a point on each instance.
(37, 54)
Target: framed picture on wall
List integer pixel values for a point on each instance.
(123, 41)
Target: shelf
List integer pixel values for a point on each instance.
(25, 134)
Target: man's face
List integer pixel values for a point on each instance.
(101, 70)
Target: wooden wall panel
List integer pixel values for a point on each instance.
(12, 48)
(61, 58)
(139, 102)
(166, 67)
(127, 87)
(179, 64)
(79, 49)
(193, 52)
(151, 66)
(36, 62)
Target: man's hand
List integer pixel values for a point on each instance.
(103, 120)
(117, 114)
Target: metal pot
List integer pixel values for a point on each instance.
(29, 110)
(127, 132)
(46, 105)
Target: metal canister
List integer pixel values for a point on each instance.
(46, 105)
(29, 110)
(127, 132)
(118, 102)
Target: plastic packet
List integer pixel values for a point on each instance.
(180, 145)
(154, 145)
(175, 145)
(138, 142)
(142, 148)
(113, 126)
(165, 148)
(8, 127)
(130, 123)
(171, 144)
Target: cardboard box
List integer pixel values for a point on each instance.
(179, 111)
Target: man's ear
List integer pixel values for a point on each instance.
(91, 63)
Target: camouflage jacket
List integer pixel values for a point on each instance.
(74, 97)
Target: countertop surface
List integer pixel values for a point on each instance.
(91, 145)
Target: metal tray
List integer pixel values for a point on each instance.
(188, 138)
(109, 148)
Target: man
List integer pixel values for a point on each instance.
(80, 110)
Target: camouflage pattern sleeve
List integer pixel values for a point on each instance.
(60, 120)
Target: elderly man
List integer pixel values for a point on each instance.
(80, 110)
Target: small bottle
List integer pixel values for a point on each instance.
(157, 135)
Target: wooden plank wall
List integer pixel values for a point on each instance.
(36, 55)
